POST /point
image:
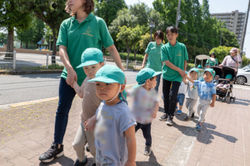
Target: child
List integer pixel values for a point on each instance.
(174, 56)
(145, 104)
(181, 96)
(207, 95)
(115, 126)
(91, 62)
(192, 94)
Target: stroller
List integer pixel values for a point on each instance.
(224, 89)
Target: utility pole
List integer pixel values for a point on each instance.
(178, 14)
(245, 29)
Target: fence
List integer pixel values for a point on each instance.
(25, 61)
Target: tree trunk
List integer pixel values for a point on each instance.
(53, 58)
(21, 44)
(10, 44)
(127, 59)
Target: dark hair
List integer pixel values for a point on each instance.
(88, 7)
(213, 54)
(159, 34)
(172, 29)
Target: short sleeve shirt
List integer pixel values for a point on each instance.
(143, 103)
(230, 61)
(154, 56)
(206, 90)
(92, 32)
(110, 142)
(90, 101)
(192, 91)
(177, 55)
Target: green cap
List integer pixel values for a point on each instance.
(194, 69)
(199, 66)
(144, 74)
(109, 74)
(210, 71)
(91, 56)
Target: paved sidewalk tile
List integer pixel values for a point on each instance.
(27, 131)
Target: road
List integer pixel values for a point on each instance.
(22, 88)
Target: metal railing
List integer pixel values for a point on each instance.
(8, 62)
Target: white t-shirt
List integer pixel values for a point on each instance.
(182, 88)
(143, 103)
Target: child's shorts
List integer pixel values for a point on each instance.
(180, 99)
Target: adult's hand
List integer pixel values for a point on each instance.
(182, 73)
(71, 77)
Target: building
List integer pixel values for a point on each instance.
(234, 21)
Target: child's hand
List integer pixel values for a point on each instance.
(89, 124)
(212, 104)
(130, 163)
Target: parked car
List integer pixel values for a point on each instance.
(243, 75)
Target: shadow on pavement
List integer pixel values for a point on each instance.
(152, 161)
(207, 133)
(64, 160)
(43, 75)
(242, 102)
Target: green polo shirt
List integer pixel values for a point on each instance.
(212, 63)
(154, 56)
(91, 33)
(176, 54)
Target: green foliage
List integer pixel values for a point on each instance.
(245, 61)
(221, 52)
(141, 12)
(108, 9)
(3, 39)
(139, 57)
(33, 33)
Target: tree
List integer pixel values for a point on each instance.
(3, 38)
(52, 13)
(220, 52)
(13, 14)
(141, 12)
(32, 34)
(108, 9)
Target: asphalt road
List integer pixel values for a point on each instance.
(22, 88)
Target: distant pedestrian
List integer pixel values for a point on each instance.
(92, 61)
(213, 61)
(206, 93)
(114, 124)
(77, 33)
(145, 104)
(152, 57)
(174, 56)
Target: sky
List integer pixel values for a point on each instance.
(218, 6)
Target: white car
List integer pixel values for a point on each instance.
(243, 75)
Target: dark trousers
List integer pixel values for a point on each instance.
(158, 80)
(66, 96)
(146, 131)
(170, 91)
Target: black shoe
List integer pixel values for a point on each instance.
(164, 117)
(186, 118)
(169, 121)
(93, 164)
(147, 150)
(83, 163)
(53, 152)
(87, 148)
(192, 116)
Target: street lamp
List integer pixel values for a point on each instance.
(151, 25)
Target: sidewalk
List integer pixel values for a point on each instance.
(27, 131)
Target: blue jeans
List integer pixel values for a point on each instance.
(66, 96)
(170, 91)
(158, 80)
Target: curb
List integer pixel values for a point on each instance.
(29, 72)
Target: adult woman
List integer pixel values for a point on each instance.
(77, 33)
(213, 61)
(153, 55)
(232, 60)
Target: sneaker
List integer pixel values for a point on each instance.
(147, 150)
(163, 117)
(53, 152)
(198, 127)
(94, 164)
(192, 116)
(83, 163)
(178, 112)
(187, 118)
(169, 121)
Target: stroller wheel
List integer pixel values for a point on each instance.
(228, 99)
(233, 99)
